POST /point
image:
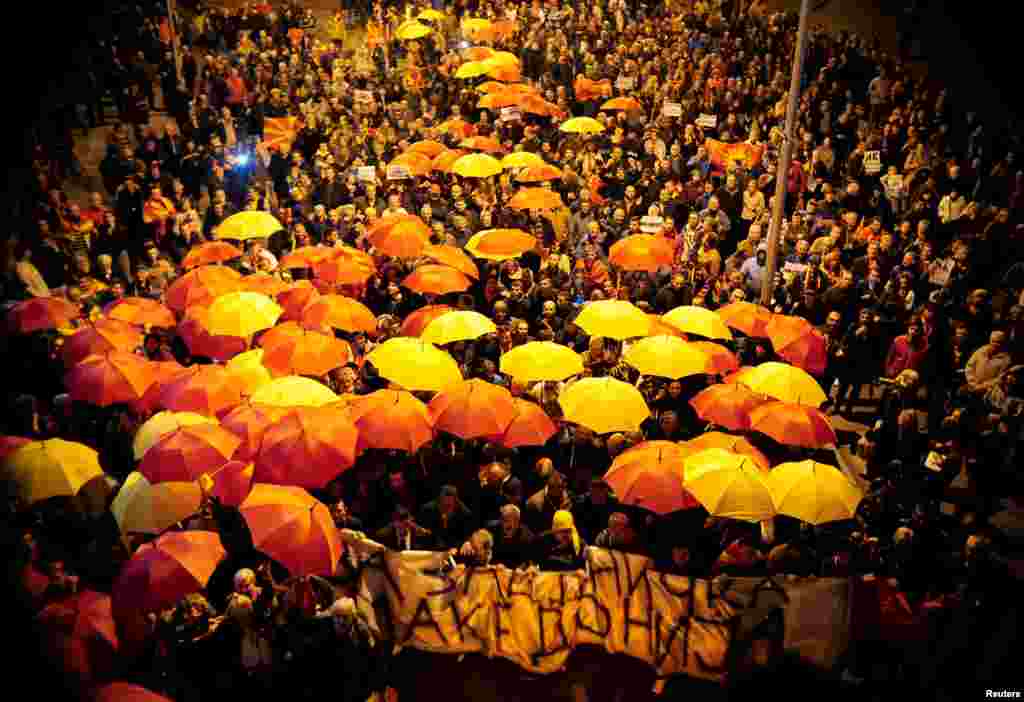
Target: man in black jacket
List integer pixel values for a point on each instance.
(447, 518)
(513, 542)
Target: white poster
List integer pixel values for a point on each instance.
(672, 109)
(872, 162)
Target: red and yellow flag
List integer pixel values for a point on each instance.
(723, 154)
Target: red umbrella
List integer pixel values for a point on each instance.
(41, 313)
(309, 353)
(201, 286)
(437, 280)
(339, 312)
(417, 321)
(208, 390)
(531, 426)
(308, 447)
(232, 483)
(200, 342)
(165, 372)
(102, 337)
(79, 631)
(651, 475)
(140, 311)
(807, 352)
(749, 318)
(294, 299)
(187, 452)
(392, 419)
(293, 528)
(472, 409)
(728, 405)
(126, 692)
(249, 422)
(163, 571)
(784, 330)
(110, 379)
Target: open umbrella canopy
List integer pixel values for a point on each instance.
(126, 692)
(249, 422)
(472, 69)
(808, 352)
(650, 475)
(163, 571)
(161, 424)
(308, 447)
(432, 279)
(242, 314)
(747, 317)
(729, 485)
(536, 105)
(586, 89)
(720, 359)
(310, 353)
(667, 357)
(50, 468)
(431, 15)
(497, 100)
(479, 53)
(414, 364)
(444, 161)
(522, 159)
(304, 257)
(140, 507)
(414, 324)
(208, 390)
(140, 311)
(166, 372)
(505, 73)
(481, 143)
(614, 319)
(539, 174)
(232, 482)
(456, 127)
(783, 382)
(100, 337)
(194, 330)
(79, 632)
(452, 257)
(428, 147)
(249, 370)
(794, 425)
(581, 125)
(293, 528)
(210, 252)
(783, 330)
(201, 286)
(813, 492)
(294, 391)
(477, 165)
(659, 328)
(188, 452)
(412, 30)
(604, 405)
(41, 313)
(462, 325)
(472, 409)
(339, 312)
(248, 225)
(283, 331)
(472, 250)
(418, 164)
(728, 442)
(113, 378)
(264, 284)
(340, 271)
(530, 427)
(536, 199)
(505, 242)
(537, 361)
(642, 252)
(728, 405)
(698, 320)
(401, 236)
(392, 419)
(627, 104)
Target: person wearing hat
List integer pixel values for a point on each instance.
(561, 548)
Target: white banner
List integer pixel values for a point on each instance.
(707, 121)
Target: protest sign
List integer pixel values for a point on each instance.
(707, 121)
(366, 173)
(625, 82)
(872, 162)
(652, 225)
(940, 270)
(398, 173)
(672, 109)
(510, 114)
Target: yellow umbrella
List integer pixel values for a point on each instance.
(160, 424)
(242, 314)
(666, 357)
(471, 69)
(431, 15)
(475, 24)
(604, 405)
(473, 244)
(522, 159)
(615, 319)
(141, 507)
(414, 364)
(294, 391)
(729, 485)
(699, 321)
(581, 125)
(458, 326)
(784, 382)
(412, 30)
(541, 360)
(51, 468)
(477, 166)
(248, 225)
(813, 492)
(503, 58)
(249, 369)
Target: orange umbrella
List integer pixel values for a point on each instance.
(140, 311)
(472, 409)
(101, 337)
(340, 271)
(720, 359)
(308, 447)
(304, 257)
(530, 427)
(41, 313)
(79, 631)
(209, 390)
(109, 379)
(479, 143)
(264, 283)
(445, 161)
(127, 692)
(728, 442)
(505, 242)
(310, 353)
(163, 571)
(479, 53)
(539, 174)
(419, 164)
(660, 328)
(509, 74)
(642, 252)
(232, 483)
(457, 128)
(353, 255)
(536, 105)
(417, 321)
(9, 444)
(429, 148)
(536, 199)
(283, 331)
(165, 372)
(650, 475)
(793, 425)
(453, 257)
(436, 280)
(294, 299)
(210, 252)
(194, 331)
(749, 318)
(392, 419)
(784, 330)
(401, 236)
(339, 312)
(249, 422)
(728, 405)
(201, 286)
(586, 89)
(807, 352)
(494, 101)
(293, 528)
(187, 452)
(622, 103)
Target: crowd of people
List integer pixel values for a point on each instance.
(902, 241)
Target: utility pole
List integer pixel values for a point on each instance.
(782, 168)
(173, 26)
